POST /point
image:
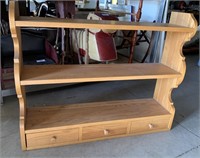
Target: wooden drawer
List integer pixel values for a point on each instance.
(52, 138)
(153, 124)
(106, 130)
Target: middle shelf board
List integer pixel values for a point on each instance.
(58, 117)
(54, 74)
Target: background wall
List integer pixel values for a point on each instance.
(150, 9)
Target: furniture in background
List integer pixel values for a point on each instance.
(101, 41)
(36, 51)
(95, 44)
(7, 75)
(42, 127)
(130, 37)
(65, 9)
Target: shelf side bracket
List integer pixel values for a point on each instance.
(18, 62)
(173, 58)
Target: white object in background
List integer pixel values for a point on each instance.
(158, 40)
(80, 3)
(114, 1)
(122, 2)
(123, 8)
(95, 39)
(162, 36)
(102, 4)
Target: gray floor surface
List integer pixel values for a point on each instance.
(183, 141)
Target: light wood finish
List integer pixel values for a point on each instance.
(173, 58)
(92, 121)
(51, 74)
(99, 24)
(85, 114)
(105, 130)
(59, 125)
(18, 64)
(150, 124)
(52, 138)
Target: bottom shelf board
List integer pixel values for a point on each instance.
(57, 117)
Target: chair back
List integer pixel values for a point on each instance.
(139, 11)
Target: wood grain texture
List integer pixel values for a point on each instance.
(85, 114)
(173, 58)
(139, 126)
(97, 139)
(52, 138)
(50, 74)
(104, 130)
(98, 24)
(18, 63)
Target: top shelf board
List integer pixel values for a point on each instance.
(99, 24)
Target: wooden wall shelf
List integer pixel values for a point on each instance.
(51, 126)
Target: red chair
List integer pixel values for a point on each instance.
(130, 37)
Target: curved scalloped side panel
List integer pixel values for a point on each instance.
(173, 58)
(16, 35)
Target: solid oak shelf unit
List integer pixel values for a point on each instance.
(42, 127)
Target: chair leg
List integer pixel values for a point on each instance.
(146, 54)
(143, 34)
(147, 40)
(149, 47)
(125, 40)
(132, 47)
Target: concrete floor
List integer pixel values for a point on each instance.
(183, 141)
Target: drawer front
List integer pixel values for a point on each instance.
(52, 138)
(106, 130)
(149, 124)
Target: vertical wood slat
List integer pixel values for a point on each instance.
(173, 58)
(18, 64)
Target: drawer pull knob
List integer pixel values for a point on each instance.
(106, 132)
(53, 139)
(150, 126)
